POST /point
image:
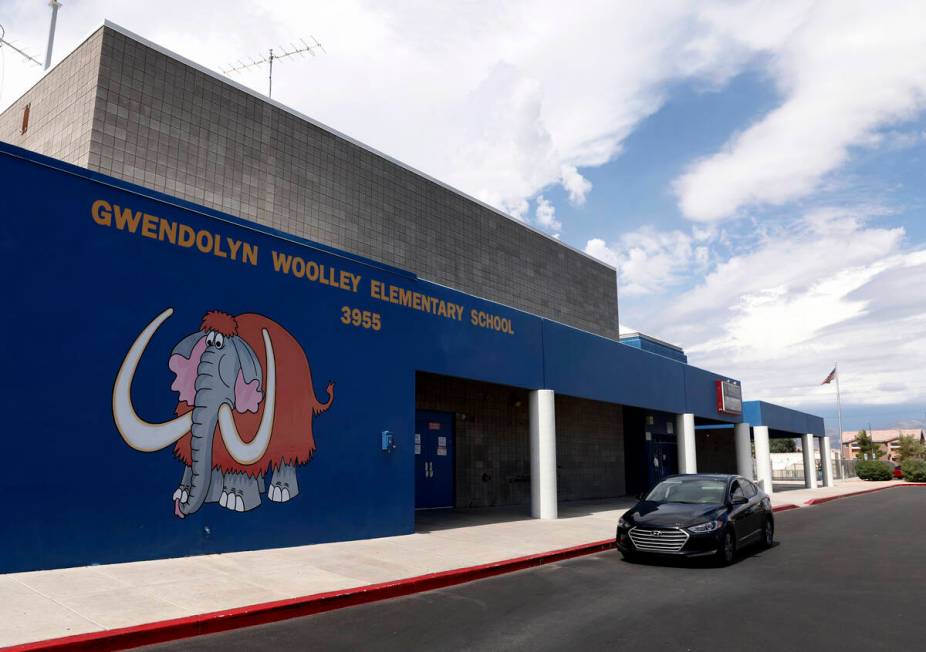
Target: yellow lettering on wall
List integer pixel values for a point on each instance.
(102, 212)
(168, 231)
(149, 226)
(250, 253)
(281, 262)
(204, 241)
(187, 236)
(233, 247)
(125, 217)
(218, 251)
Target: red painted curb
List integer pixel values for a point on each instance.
(784, 508)
(268, 612)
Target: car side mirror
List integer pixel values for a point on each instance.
(641, 496)
(739, 500)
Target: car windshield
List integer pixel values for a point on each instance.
(690, 491)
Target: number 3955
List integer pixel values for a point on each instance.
(362, 318)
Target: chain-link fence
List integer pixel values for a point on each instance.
(841, 469)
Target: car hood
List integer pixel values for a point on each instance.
(649, 514)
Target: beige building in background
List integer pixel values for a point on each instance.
(888, 439)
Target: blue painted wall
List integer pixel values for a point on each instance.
(786, 421)
(77, 293)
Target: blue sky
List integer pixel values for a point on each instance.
(754, 170)
(635, 188)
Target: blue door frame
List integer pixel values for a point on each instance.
(434, 453)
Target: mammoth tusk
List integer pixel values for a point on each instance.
(136, 432)
(249, 453)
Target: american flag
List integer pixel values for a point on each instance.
(830, 377)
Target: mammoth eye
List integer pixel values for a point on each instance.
(210, 338)
(219, 340)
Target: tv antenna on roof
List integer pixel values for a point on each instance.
(301, 49)
(26, 55)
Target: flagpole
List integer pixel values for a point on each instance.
(839, 405)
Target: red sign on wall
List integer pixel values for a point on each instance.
(729, 397)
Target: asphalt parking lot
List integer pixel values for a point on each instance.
(846, 575)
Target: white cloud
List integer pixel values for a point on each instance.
(546, 215)
(649, 261)
(830, 286)
(845, 69)
(504, 101)
(500, 100)
(575, 184)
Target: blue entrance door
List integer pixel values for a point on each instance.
(433, 459)
(663, 458)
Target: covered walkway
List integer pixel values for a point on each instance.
(765, 421)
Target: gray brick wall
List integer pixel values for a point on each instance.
(168, 126)
(716, 451)
(61, 108)
(589, 449)
(492, 442)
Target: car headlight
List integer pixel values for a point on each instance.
(623, 523)
(710, 526)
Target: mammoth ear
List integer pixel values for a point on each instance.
(248, 384)
(184, 360)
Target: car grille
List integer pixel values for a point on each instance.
(658, 540)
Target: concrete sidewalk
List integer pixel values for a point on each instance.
(799, 497)
(50, 604)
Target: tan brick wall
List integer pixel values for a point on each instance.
(168, 126)
(61, 107)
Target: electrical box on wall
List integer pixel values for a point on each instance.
(388, 441)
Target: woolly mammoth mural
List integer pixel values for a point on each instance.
(246, 404)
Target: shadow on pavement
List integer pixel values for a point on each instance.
(435, 520)
(699, 562)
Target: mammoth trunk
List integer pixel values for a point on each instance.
(205, 417)
(203, 432)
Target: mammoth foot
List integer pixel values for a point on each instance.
(240, 492)
(232, 501)
(283, 484)
(278, 494)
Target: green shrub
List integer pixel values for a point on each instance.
(914, 470)
(873, 470)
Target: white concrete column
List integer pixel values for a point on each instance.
(810, 464)
(743, 450)
(826, 456)
(685, 436)
(840, 469)
(763, 458)
(543, 454)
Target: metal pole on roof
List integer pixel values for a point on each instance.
(55, 5)
(838, 404)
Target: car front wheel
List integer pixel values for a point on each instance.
(727, 551)
(768, 533)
